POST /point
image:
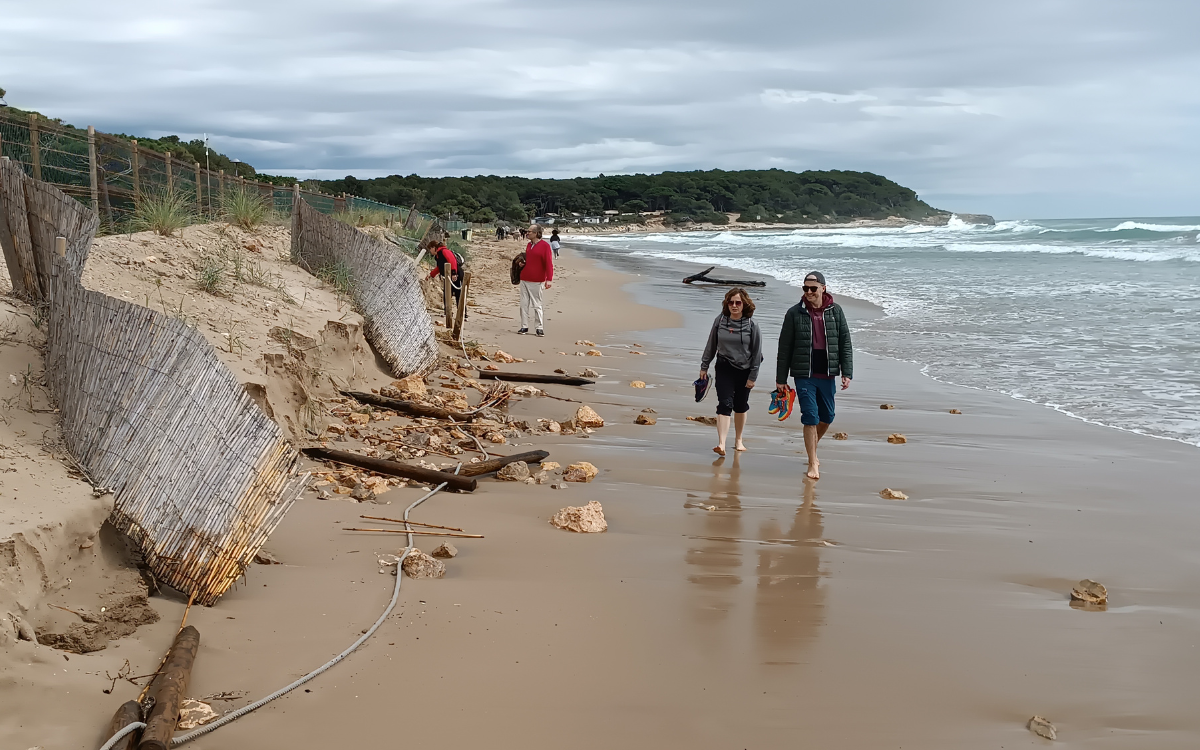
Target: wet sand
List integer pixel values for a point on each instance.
(731, 603)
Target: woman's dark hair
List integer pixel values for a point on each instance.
(747, 303)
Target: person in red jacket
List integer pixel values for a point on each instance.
(442, 255)
(537, 274)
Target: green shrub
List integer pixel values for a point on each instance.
(162, 212)
(244, 207)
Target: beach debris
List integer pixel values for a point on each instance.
(168, 688)
(703, 276)
(530, 377)
(594, 353)
(1042, 728)
(886, 406)
(550, 425)
(649, 410)
(841, 436)
(955, 411)
(411, 387)
(1089, 592)
(550, 465)
(518, 471)
(641, 353)
(586, 416)
(127, 713)
(262, 557)
(445, 550)
(93, 634)
(541, 477)
(561, 371)
(528, 390)
(559, 486)
(637, 384)
(586, 519)
(420, 565)
(637, 345)
(897, 439)
(194, 713)
(589, 373)
(503, 356)
(710, 421)
(889, 494)
(645, 419)
(24, 631)
(585, 342)
(581, 472)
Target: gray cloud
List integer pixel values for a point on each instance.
(1024, 108)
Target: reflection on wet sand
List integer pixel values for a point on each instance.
(788, 602)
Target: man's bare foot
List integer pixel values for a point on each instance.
(719, 450)
(814, 470)
(739, 446)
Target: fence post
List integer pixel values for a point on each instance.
(447, 295)
(170, 182)
(199, 201)
(221, 187)
(462, 305)
(92, 169)
(35, 147)
(136, 168)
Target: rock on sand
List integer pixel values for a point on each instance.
(586, 416)
(517, 471)
(1042, 728)
(445, 550)
(890, 494)
(1090, 592)
(588, 519)
(580, 472)
(645, 419)
(637, 384)
(420, 565)
(897, 439)
(886, 406)
(841, 436)
(194, 713)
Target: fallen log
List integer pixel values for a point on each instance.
(411, 408)
(703, 276)
(394, 468)
(496, 464)
(128, 713)
(170, 690)
(527, 377)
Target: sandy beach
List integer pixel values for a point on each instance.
(731, 603)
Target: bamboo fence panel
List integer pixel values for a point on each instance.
(386, 286)
(200, 475)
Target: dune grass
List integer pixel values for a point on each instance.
(245, 208)
(163, 212)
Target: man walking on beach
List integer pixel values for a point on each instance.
(537, 274)
(814, 346)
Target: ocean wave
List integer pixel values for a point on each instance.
(1128, 225)
(1145, 255)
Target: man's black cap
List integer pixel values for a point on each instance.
(816, 276)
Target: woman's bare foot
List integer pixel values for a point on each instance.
(739, 446)
(719, 450)
(814, 470)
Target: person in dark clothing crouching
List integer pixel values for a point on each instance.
(736, 343)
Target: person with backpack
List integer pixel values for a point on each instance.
(443, 255)
(534, 269)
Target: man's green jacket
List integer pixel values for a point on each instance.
(795, 343)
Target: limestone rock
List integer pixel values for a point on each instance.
(584, 342)
(710, 421)
(497, 438)
(503, 356)
(1042, 728)
(445, 550)
(890, 494)
(897, 439)
(194, 713)
(420, 565)
(841, 436)
(550, 465)
(1090, 592)
(589, 373)
(645, 419)
(582, 472)
(649, 410)
(560, 371)
(541, 477)
(587, 519)
(955, 411)
(586, 416)
(638, 384)
(412, 386)
(594, 353)
(527, 390)
(357, 418)
(262, 557)
(517, 471)
(886, 406)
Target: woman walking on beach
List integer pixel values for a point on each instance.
(736, 343)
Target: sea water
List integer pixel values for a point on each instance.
(1099, 319)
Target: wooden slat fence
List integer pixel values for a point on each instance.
(385, 285)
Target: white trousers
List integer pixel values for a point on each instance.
(531, 304)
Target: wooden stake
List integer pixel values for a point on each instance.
(92, 169)
(411, 523)
(447, 296)
(199, 202)
(170, 181)
(421, 533)
(35, 147)
(136, 168)
(462, 305)
(171, 688)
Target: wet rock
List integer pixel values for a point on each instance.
(1088, 591)
(637, 384)
(541, 477)
(886, 406)
(710, 421)
(445, 550)
(897, 439)
(584, 342)
(955, 411)
(550, 465)
(582, 472)
(1042, 728)
(589, 373)
(527, 390)
(890, 494)
(517, 471)
(587, 519)
(841, 436)
(645, 419)
(586, 416)
(560, 371)
(420, 565)
(594, 353)
(194, 713)
(262, 557)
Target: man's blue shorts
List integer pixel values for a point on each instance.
(815, 396)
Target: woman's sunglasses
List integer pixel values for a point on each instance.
(735, 302)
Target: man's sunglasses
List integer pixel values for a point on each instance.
(810, 288)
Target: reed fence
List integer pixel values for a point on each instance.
(200, 475)
(384, 283)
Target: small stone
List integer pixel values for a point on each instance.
(1042, 728)
(582, 472)
(541, 477)
(589, 373)
(710, 421)
(587, 519)
(550, 465)
(491, 367)
(649, 410)
(527, 390)
(553, 426)
(357, 418)
(594, 353)
(262, 557)
(503, 356)
(955, 411)
(445, 550)
(897, 439)
(886, 406)
(644, 419)
(420, 565)
(584, 342)
(497, 438)
(411, 386)
(641, 353)
(841, 436)
(361, 493)
(560, 371)
(194, 713)
(517, 471)
(1090, 592)
(638, 384)
(586, 416)
(890, 494)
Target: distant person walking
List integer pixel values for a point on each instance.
(442, 256)
(736, 343)
(537, 274)
(555, 243)
(814, 346)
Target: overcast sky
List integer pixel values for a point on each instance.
(1018, 108)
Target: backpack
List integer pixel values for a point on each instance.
(514, 273)
(459, 261)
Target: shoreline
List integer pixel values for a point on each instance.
(655, 226)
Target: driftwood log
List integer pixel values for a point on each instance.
(128, 713)
(526, 377)
(703, 276)
(394, 468)
(411, 408)
(496, 464)
(170, 688)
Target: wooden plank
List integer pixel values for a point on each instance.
(393, 468)
(526, 377)
(24, 272)
(498, 463)
(411, 408)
